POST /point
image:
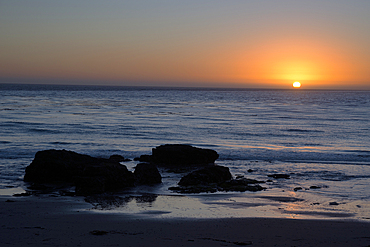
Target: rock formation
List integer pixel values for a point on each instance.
(180, 155)
(89, 174)
(146, 173)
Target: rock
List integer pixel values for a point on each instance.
(297, 188)
(90, 185)
(90, 175)
(103, 177)
(179, 154)
(279, 175)
(314, 187)
(146, 173)
(144, 158)
(207, 175)
(241, 185)
(203, 180)
(214, 178)
(57, 166)
(333, 203)
(118, 158)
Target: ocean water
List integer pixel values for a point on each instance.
(320, 138)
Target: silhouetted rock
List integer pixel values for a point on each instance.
(89, 174)
(279, 175)
(215, 178)
(103, 177)
(144, 158)
(146, 173)
(118, 158)
(179, 154)
(241, 185)
(207, 175)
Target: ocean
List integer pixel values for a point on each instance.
(321, 138)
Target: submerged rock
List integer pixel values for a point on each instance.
(90, 175)
(180, 155)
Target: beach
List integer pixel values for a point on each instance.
(59, 221)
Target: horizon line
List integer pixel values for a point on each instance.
(175, 87)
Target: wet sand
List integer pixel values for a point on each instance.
(39, 221)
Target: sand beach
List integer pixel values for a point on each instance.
(59, 221)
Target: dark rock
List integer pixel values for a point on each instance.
(146, 173)
(118, 158)
(89, 174)
(333, 203)
(279, 175)
(103, 177)
(315, 187)
(207, 175)
(57, 165)
(215, 178)
(241, 185)
(179, 154)
(250, 170)
(144, 158)
(297, 188)
(90, 185)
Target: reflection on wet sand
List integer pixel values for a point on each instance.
(107, 202)
(221, 206)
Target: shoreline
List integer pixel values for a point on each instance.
(59, 221)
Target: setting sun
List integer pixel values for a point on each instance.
(297, 84)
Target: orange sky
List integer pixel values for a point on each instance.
(210, 43)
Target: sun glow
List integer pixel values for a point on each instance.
(297, 84)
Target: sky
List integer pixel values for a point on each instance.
(210, 43)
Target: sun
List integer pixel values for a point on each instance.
(297, 84)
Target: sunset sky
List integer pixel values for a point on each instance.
(235, 43)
